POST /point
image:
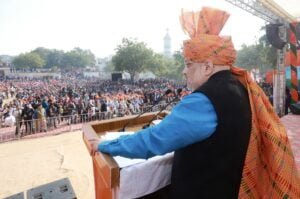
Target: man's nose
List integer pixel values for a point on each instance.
(184, 70)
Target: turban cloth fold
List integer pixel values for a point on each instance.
(205, 43)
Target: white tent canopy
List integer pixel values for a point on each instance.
(290, 6)
(287, 9)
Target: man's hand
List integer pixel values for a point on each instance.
(94, 145)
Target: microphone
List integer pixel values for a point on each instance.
(167, 92)
(179, 91)
(163, 108)
(143, 112)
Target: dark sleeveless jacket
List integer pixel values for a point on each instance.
(212, 168)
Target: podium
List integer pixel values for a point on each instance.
(106, 169)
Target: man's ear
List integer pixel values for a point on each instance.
(209, 67)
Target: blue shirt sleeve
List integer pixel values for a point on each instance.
(192, 120)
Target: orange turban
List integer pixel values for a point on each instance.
(205, 44)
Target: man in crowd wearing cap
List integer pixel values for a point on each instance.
(228, 142)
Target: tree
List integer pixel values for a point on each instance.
(72, 59)
(268, 54)
(29, 61)
(248, 57)
(42, 52)
(109, 66)
(179, 63)
(87, 57)
(54, 59)
(162, 66)
(78, 58)
(261, 55)
(132, 56)
(168, 67)
(157, 65)
(257, 56)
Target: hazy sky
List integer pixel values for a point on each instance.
(99, 25)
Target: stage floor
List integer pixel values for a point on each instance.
(29, 163)
(292, 124)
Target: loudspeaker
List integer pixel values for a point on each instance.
(60, 189)
(116, 76)
(295, 109)
(16, 196)
(272, 33)
(298, 35)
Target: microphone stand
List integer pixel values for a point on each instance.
(164, 107)
(139, 115)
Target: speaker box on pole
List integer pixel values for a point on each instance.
(298, 35)
(272, 33)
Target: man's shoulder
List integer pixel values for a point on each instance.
(195, 97)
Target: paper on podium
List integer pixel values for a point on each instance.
(115, 135)
(121, 161)
(155, 122)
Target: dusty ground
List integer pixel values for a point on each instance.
(29, 163)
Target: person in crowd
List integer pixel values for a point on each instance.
(288, 100)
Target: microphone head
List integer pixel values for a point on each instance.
(179, 90)
(146, 126)
(167, 92)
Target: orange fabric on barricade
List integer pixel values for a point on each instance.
(269, 169)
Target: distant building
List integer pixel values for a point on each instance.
(146, 75)
(6, 59)
(91, 74)
(4, 71)
(101, 64)
(167, 45)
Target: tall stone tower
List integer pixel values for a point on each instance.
(167, 45)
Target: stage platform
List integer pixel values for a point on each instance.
(292, 124)
(29, 163)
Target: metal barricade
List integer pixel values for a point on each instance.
(60, 124)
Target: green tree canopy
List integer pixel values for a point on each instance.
(261, 55)
(249, 57)
(167, 67)
(78, 58)
(54, 59)
(28, 60)
(109, 67)
(42, 52)
(87, 57)
(179, 63)
(132, 57)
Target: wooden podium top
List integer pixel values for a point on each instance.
(110, 171)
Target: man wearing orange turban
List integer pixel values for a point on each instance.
(228, 141)
(264, 167)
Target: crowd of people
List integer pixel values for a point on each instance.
(40, 103)
(268, 89)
